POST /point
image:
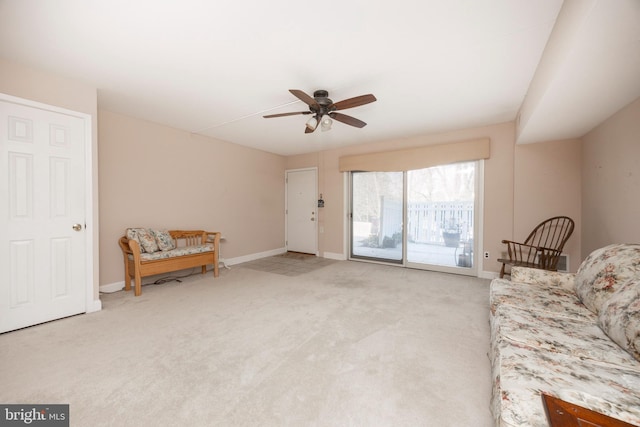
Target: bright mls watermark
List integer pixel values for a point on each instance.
(34, 415)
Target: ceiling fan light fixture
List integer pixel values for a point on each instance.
(312, 123)
(326, 123)
(324, 110)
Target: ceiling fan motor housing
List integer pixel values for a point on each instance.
(322, 98)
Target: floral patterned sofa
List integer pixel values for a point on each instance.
(573, 336)
(147, 252)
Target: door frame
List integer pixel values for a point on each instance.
(91, 304)
(286, 205)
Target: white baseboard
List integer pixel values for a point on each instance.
(118, 286)
(253, 257)
(488, 275)
(95, 305)
(112, 287)
(335, 256)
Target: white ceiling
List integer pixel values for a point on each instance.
(215, 67)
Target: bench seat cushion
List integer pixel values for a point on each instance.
(187, 250)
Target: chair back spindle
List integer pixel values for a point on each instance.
(542, 248)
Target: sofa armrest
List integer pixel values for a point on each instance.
(536, 276)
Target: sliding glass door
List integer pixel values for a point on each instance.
(421, 218)
(441, 204)
(376, 216)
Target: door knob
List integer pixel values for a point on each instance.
(77, 227)
(313, 219)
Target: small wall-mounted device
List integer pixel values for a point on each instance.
(320, 202)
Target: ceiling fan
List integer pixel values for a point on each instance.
(324, 109)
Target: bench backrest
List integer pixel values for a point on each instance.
(181, 238)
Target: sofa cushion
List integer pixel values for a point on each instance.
(538, 277)
(548, 332)
(541, 297)
(603, 272)
(163, 239)
(620, 317)
(520, 372)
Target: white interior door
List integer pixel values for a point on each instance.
(302, 209)
(42, 215)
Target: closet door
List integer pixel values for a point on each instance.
(42, 220)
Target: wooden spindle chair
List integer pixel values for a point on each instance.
(543, 247)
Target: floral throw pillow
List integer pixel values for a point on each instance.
(164, 240)
(147, 240)
(620, 317)
(604, 271)
(144, 238)
(132, 234)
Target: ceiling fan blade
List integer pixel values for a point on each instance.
(353, 102)
(347, 120)
(309, 100)
(286, 114)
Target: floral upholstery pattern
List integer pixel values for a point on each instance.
(132, 234)
(604, 271)
(555, 301)
(522, 372)
(544, 339)
(163, 239)
(554, 278)
(147, 241)
(549, 333)
(186, 250)
(620, 317)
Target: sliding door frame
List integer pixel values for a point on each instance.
(477, 263)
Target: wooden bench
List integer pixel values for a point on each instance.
(193, 248)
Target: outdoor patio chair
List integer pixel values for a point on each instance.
(543, 247)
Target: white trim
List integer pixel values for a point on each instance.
(488, 275)
(112, 287)
(91, 304)
(335, 256)
(346, 223)
(96, 305)
(253, 257)
(479, 218)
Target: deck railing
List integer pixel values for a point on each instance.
(426, 222)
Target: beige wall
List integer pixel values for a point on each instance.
(36, 85)
(611, 181)
(523, 185)
(156, 176)
(546, 184)
(498, 191)
(192, 181)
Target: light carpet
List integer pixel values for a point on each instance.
(348, 344)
